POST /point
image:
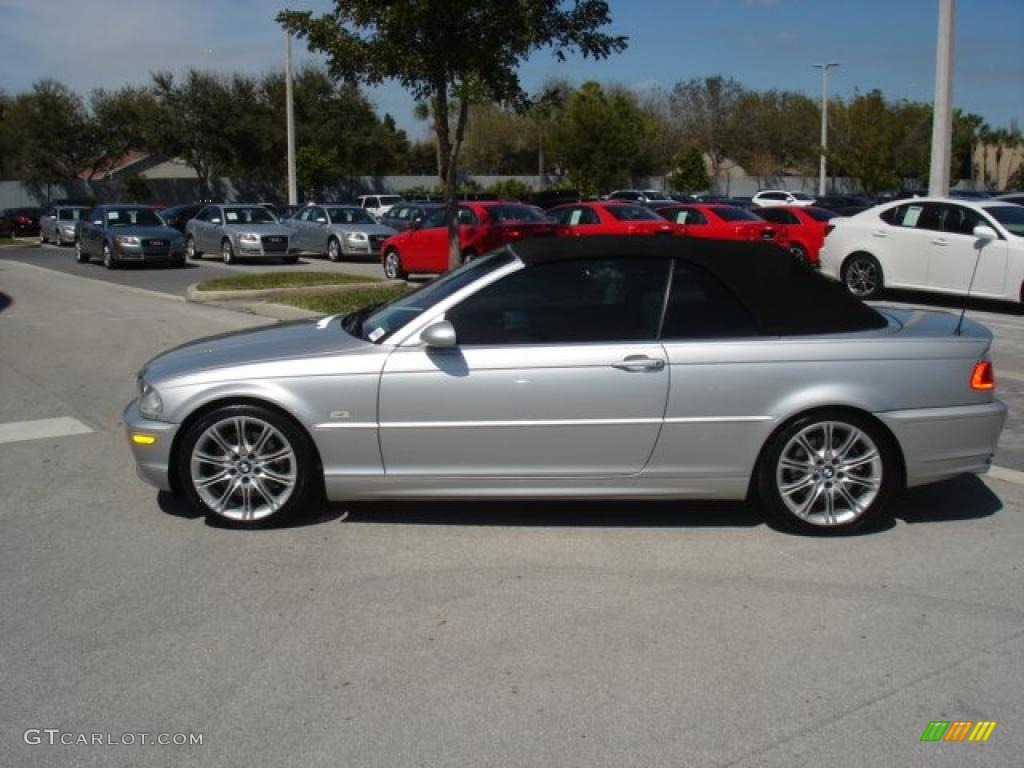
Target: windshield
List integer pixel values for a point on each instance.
(503, 212)
(250, 215)
(633, 213)
(349, 216)
(128, 217)
(71, 214)
(1010, 216)
(731, 213)
(385, 320)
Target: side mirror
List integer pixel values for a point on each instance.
(215, 221)
(321, 220)
(439, 335)
(985, 232)
(415, 223)
(98, 223)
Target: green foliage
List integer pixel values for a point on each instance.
(689, 174)
(511, 189)
(600, 138)
(136, 189)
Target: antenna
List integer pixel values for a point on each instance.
(984, 240)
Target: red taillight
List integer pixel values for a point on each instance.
(984, 376)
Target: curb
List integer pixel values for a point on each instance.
(262, 295)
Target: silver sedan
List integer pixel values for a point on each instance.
(238, 231)
(601, 368)
(338, 230)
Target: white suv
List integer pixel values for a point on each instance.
(378, 205)
(767, 197)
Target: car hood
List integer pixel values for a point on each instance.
(370, 229)
(285, 341)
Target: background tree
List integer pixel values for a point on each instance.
(599, 138)
(124, 120)
(707, 111)
(689, 173)
(446, 51)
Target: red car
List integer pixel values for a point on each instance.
(721, 222)
(483, 226)
(803, 227)
(608, 218)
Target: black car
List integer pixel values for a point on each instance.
(19, 222)
(403, 215)
(178, 216)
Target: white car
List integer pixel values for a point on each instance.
(930, 244)
(768, 197)
(378, 205)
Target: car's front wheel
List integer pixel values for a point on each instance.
(80, 256)
(334, 249)
(393, 265)
(828, 472)
(227, 252)
(190, 248)
(247, 465)
(862, 276)
(108, 257)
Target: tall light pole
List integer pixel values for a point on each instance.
(824, 122)
(293, 192)
(942, 110)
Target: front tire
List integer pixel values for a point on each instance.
(227, 252)
(828, 472)
(246, 465)
(80, 256)
(334, 249)
(862, 276)
(108, 257)
(393, 266)
(190, 248)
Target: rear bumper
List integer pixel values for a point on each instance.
(939, 443)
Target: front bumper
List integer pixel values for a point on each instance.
(939, 443)
(152, 462)
(139, 255)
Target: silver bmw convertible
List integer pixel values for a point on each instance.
(605, 367)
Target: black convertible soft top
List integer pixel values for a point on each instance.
(785, 297)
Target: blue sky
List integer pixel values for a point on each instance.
(884, 44)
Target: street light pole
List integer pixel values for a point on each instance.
(942, 111)
(824, 122)
(293, 193)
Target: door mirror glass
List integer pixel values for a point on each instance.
(985, 232)
(321, 220)
(439, 335)
(215, 221)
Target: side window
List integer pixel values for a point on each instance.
(565, 302)
(467, 217)
(691, 216)
(961, 221)
(589, 216)
(435, 219)
(566, 216)
(700, 306)
(931, 217)
(318, 213)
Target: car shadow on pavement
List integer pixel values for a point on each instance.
(951, 303)
(5, 301)
(962, 498)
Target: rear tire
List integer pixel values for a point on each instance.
(393, 266)
(799, 253)
(190, 248)
(828, 472)
(862, 276)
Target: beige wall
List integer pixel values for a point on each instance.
(995, 165)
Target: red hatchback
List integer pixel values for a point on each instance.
(721, 222)
(803, 227)
(611, 218)
(483, 226)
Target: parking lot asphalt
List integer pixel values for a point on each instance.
(437, 634)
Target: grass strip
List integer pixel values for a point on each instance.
(263, 280)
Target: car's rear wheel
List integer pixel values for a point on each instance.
(799, 252)
(862, 276)
(42, 237)
(80, 256)
(828, 472)
(108, 257)
(227, 252)
(291, 259)
(247, 465)
(393, 266)
(190, 248)
(334, 249)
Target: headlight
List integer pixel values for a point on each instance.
(249, 239)
(127, 240)
(357, 236)
(150, 404)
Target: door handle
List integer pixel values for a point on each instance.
(940, 241)
(639, 363)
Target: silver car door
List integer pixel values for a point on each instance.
(557, 373)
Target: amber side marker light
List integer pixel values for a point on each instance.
(983, 376)
(147, 439)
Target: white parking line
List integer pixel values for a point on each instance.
(1006, 475)
(39, 429)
